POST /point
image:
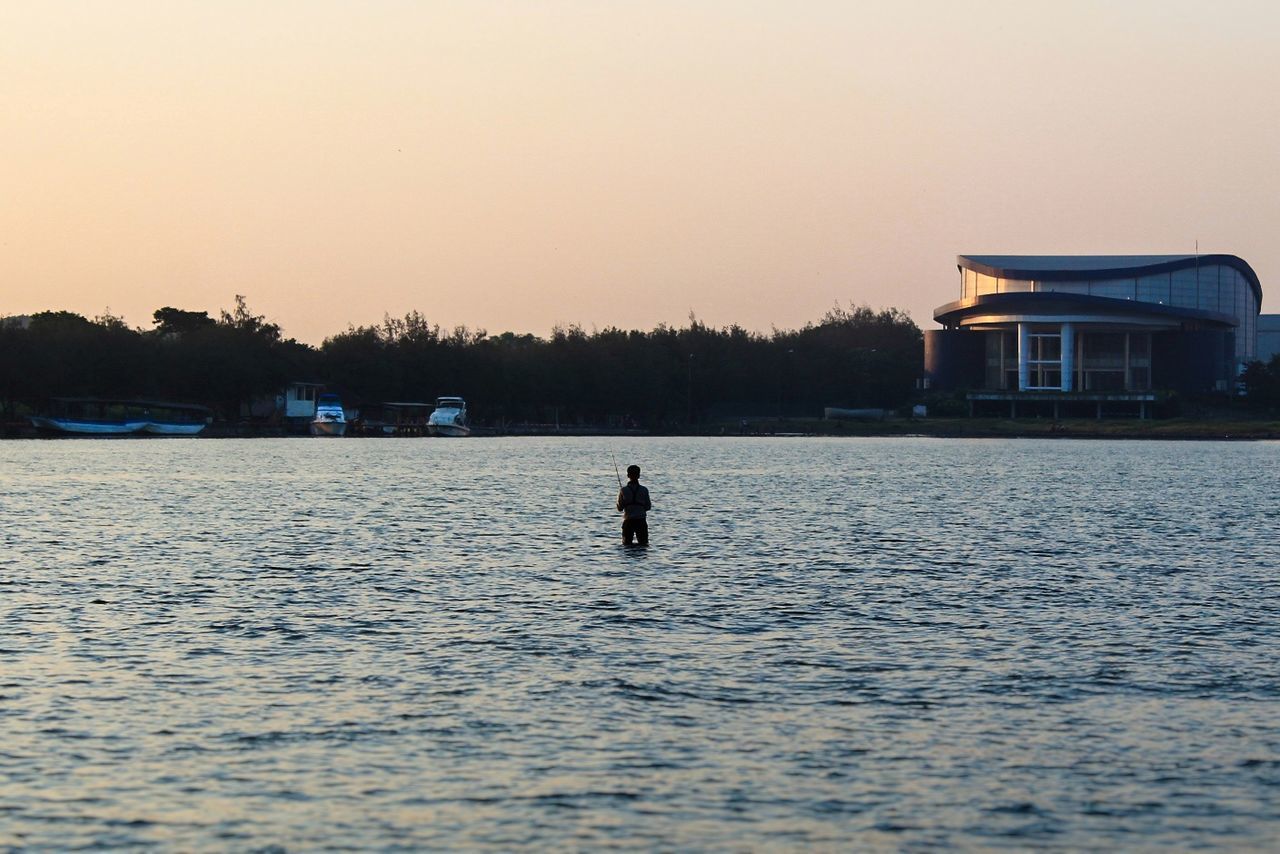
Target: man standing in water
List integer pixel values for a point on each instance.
(633, 503)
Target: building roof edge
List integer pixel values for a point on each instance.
(1060, 268)
(953, 312)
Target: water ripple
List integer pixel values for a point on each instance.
(831, 644)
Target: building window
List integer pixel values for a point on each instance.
(1002, 361)
(1139, 361)
(1115, 361)
(1102, 361)
(1044, 361)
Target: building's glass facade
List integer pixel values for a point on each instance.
(1209, 287)
(1115, 330)
(1104, 361)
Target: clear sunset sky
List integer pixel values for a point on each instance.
(513, 165)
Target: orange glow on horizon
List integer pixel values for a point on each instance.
(514, 166)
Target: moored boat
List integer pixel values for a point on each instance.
(449, 418)
(87, 426)
(92, 416)
(175, 419)
(331, 419)
(173, 428)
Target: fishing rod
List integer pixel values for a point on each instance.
(615, 468)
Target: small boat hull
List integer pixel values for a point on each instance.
(87, 427)
(328, 428)
(172, 428)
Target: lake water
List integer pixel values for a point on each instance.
(830, 644)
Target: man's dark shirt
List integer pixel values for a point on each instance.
(633, 501)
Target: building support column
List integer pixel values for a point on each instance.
(1068, 356)
(1024, 356)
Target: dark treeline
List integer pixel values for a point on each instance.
(853, 357)
(187, 357)
(1261, 382)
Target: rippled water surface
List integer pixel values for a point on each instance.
(830, 644)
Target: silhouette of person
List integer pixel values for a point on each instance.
(633, 503)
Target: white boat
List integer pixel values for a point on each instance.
(91, 416)
(449, 418)
(87, 426)
(330, 418)
(174, 419)
(173, 428)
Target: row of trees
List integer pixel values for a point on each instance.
(188, 356)
(851, 357)
(1261, 382)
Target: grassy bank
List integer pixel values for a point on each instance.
(1078, 428)
(955, 428)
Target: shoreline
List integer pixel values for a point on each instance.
(1185, 429)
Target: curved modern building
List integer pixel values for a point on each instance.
(1108, 331)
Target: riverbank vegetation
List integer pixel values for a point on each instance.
(693, 378)
(660, 379)
(1261, 381)
(1219, 425)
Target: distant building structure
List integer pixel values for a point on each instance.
(1268, 337)
(300, 400)
(293, 405)
(1084, 334)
